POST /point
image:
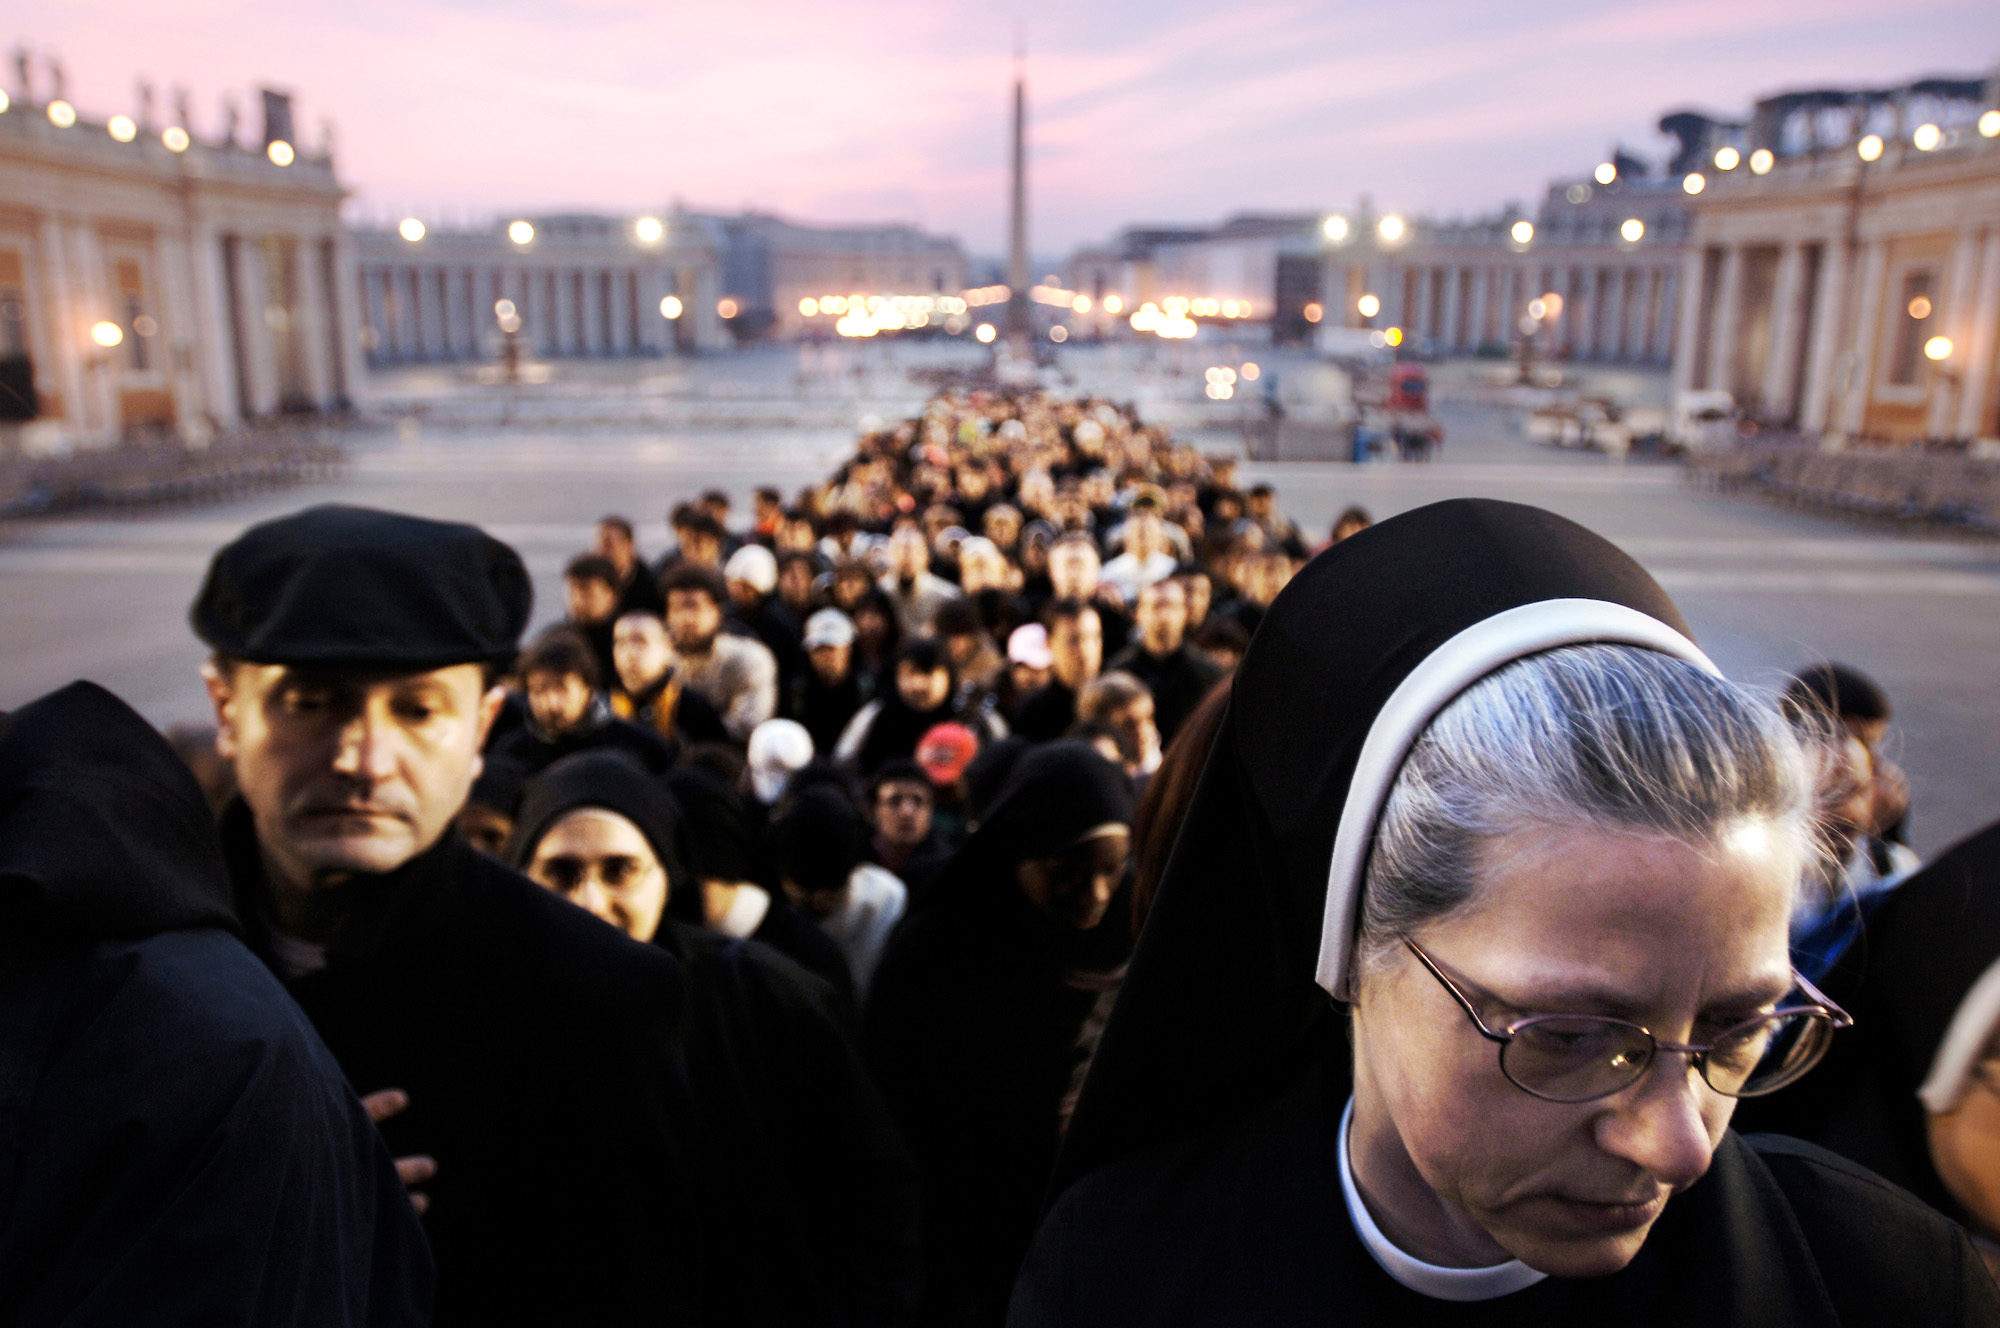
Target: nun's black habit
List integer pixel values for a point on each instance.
(809, 1195)
(1923, 984)
(176, 1144)
(1198, 1184)
(973, 1020)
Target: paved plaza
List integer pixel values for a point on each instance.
(1766, 590)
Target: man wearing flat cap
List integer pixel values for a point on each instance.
(516, 1042)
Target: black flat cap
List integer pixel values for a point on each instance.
(356, 588)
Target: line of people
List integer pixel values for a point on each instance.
(778, 938)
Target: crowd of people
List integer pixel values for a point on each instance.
(1001, 894)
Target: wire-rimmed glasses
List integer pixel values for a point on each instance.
(1577, 1058)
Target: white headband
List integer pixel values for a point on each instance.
(1480, 649)
(1959, 1050)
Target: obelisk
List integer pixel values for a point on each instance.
(1020, 329)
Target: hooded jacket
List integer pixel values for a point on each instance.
(176, 1143)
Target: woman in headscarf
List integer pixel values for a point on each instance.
(1913, 1092)
(811, 1195)
(975, 1012)
(1473, 935)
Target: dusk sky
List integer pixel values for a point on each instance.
(1141, 110)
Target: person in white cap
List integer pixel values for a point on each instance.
(752, 577)
(779, 749)
(1029, 660)
(828, 692)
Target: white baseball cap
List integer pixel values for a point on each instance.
(754, 564)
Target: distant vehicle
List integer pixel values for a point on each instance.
(1595, 423)
(1409, 388)
(1703, 420)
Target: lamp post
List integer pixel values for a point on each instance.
(509, 320)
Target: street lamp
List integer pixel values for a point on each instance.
(1695, 182)
(1632, 230)
(520, 232)
(670, 307)
(1761, 161)
(108, 334)
(411, 229)
(1870, 147)
(121, 128)
(1391, 228)
(1727, 158)
(280, 152)
(61, 114)
(650, 230)
(1335, 228)
(1522, 231)
(175, 138)
(1368, 306)
(1928, 138)
(1938, 348)
(1605, 173)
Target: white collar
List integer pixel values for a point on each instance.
(1426, 1279)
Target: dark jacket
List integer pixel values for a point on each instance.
(1047, 714)
(813, 1190)
(536, 1045)
(176, 1143)
(1177, 681)
(972, 1026)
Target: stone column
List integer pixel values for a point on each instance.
(1728, 313)
(1861, 345)
(310, 323)
(1960, 283)
(1779, 388)
(1482, 301)
(1815, 408)
(1687, 336)
(1977, 348)
(217, 355)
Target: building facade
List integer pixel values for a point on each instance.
(773, 268)
(1611, 252)
(152, 284)
(1844, 272)
(580, 285)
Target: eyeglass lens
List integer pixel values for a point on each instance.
(1566, 1059)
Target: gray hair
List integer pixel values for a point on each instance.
(1607, 737)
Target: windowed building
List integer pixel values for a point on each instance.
(155, 284)
(1843, 275)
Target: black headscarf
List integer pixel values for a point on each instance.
(607, 780)
(1218, 1011)
(103, 830)
(820, 837)
(1923, 984)
(1054, 794)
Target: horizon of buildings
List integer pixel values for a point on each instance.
(151, 281)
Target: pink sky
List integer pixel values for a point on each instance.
(1142, 110)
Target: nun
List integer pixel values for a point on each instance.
(1913, 1092)
(810, 1201)
(1473, 937)
(978, 1006)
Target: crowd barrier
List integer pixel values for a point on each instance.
(139, 476)
(1939, 489)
